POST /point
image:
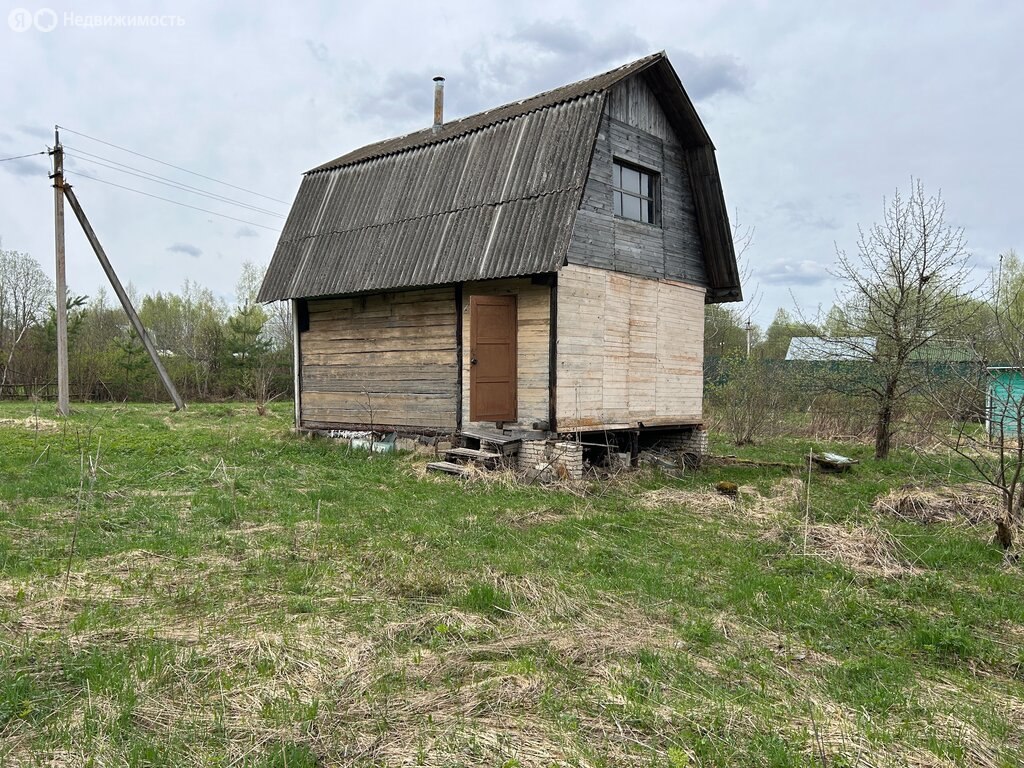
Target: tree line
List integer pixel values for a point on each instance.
(211, 348)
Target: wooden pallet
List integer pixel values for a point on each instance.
(448, 468)
(486, 458)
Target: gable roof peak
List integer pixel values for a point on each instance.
(479, 120)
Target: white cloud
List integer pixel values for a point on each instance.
(186, 248)
(803, 272)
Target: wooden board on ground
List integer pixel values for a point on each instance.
(448, 468)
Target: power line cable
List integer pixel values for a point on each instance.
(173, 202)
(78, 151)
(19, 157)
(171, 165)
(77, 154)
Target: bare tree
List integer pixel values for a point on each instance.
(25, 291)
(901, 291)
(724, 326)
(753, 401)
(279, 325)
(993, 446)
(248, 286)
(203, 335)
(274, 339)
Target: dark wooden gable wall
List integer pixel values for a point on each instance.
(634, 128)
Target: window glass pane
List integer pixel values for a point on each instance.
(634, 193)
(631, 207)
(630, 180)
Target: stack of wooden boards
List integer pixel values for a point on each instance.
(493, 450)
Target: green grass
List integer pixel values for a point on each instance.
(205, 588)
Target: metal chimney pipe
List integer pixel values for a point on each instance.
(438, 103)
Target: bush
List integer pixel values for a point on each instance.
(752, 402)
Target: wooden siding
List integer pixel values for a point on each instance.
(533, 341)
(632, 102)
(630, 351)
(634, 128)
(394, 354)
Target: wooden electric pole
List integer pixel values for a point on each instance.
(63, 407)
(122, 296)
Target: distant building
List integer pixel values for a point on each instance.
(823, 350)
(1004, 402)
(852, 349)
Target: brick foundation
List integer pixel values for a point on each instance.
(692, 441)
(697, 443)
(551, 459)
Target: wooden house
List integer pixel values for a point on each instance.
(543, 265)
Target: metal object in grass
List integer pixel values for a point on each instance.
(833, 462)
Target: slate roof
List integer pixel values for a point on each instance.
(471, 123)
(815, 349)
(862, 349)
(491, 195)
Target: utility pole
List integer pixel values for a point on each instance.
(63, 407)
(749, 328)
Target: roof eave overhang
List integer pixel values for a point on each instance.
(663, 80)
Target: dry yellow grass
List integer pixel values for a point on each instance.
(969, 503)
(869, 550)
(34, 423)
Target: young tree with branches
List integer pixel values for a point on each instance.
(993, 446)
(725, 331)
(901, 291)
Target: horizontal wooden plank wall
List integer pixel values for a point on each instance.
(388, 359)
(630, 350)
(634, 128)
(533, 342)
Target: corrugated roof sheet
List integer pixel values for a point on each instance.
(862, 349)
(492, 195)
(497, 202)
(943, 351)
(835, 350)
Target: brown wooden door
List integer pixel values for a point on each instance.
(492, 350)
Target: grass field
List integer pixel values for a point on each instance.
(207, 589)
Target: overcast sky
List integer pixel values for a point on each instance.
(818, 111)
